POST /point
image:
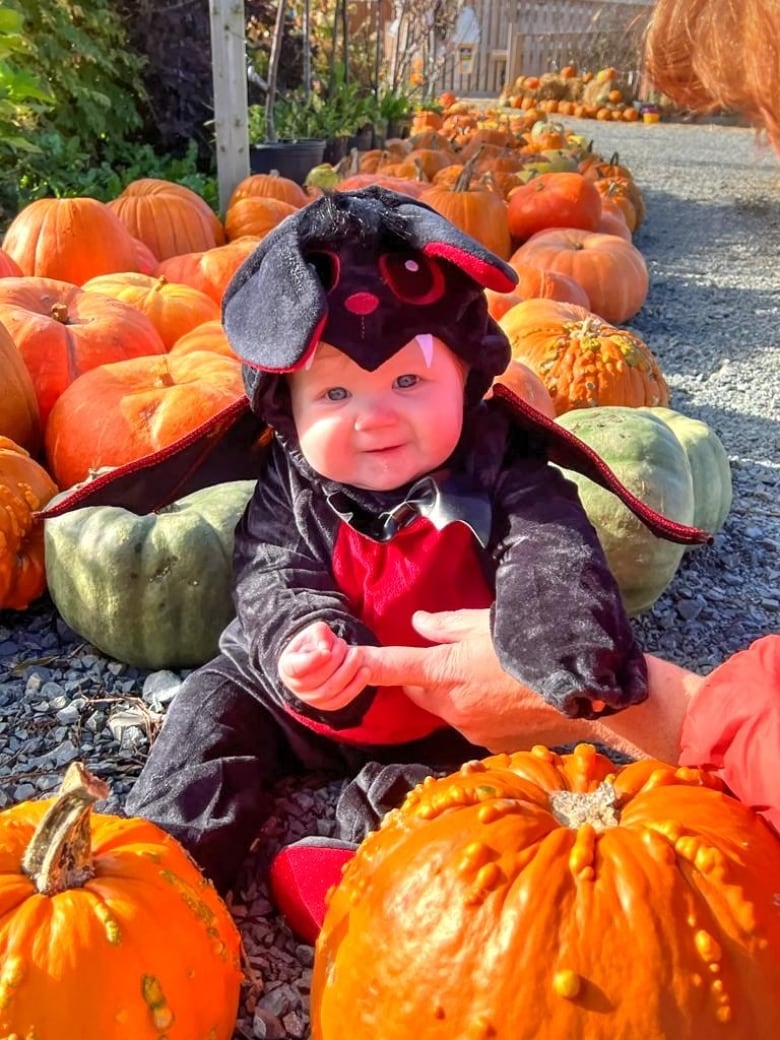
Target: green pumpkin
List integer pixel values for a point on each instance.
(710, 468)
(648, 458)
(152, 591)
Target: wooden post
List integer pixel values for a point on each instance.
(228, 64)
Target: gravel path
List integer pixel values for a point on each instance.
(712, 242)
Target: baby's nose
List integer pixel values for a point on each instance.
(375, 413)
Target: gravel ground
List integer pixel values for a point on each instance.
(712, 242)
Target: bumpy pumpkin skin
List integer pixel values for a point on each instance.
(650, 460)
(145, 949)
(474, 913)
(710, 468)
(152, 591)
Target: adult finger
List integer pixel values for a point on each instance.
(451, 626)
(405, 665)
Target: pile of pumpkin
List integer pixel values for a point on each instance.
(584, 94)
(111, 349)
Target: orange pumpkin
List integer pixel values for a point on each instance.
(534, 282)
(169, 218)
(500, 302)
(553, 200)
(62, 331)
(208, 336)
(24, 488)
(480, 213)
(540, 897)
(269, 186)
(611, 270)
(91, 907)
(8, 266)
(118, 413)
(356, 181)
(20, 420)
(583, 361)
(209, 271)
(527, 385)
(69, 239)
(171, 307)
(255, 215)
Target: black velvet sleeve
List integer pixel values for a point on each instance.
(283, 582)
(558, 623)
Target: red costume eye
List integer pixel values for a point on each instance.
(413, 277)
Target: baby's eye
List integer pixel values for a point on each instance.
(336, 393)
(404, 382)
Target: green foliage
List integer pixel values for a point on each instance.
(22, 95)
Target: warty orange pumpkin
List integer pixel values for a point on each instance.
(107, 927)
(540, 896)
(583, 360)
(25, 487)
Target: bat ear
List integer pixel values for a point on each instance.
(434, 235)
(275, 305)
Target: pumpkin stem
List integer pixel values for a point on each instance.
(575, 808)
(59, 311)
(59, 855)
(464, 177)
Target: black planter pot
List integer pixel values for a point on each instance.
(291, 159)
(336, 148)
(362, 139)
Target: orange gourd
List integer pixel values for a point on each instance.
(611, 270)
(171, 307)
(558, 200)
(107, 927)
(209, 271)
(25, 487)
(581, 359)
(71, 240)
(119, 413)
(556, 897)
(20, 420)
(479, 213)
(62, 331)
(269, 186)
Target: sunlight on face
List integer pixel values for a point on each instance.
(379, 430)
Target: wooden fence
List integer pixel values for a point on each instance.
(531, 37)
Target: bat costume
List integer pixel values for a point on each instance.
(497, 526)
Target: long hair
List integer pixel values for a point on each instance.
(706, 54)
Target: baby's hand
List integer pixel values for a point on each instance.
(321, 669)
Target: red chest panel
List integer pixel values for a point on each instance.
(421, 568)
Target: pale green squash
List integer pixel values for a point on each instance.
(648, 458)
(152, 591)
(710, 468)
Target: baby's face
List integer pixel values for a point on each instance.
(379, 430)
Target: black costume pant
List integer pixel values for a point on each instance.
(209, 774)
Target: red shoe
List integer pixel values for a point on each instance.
(299, 880)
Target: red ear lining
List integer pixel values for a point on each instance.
(483, 273)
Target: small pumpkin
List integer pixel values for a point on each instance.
(479, 213)
(255, 215)
(583, 361)
(553, 200)
(650, 460)
(269, 186)
(107, 927)
(538, 896)
(25, 487)
(152, 591)
(528, 386)
(116, 414)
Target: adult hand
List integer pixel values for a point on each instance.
(461, 681)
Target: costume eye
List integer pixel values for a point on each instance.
(337, 393)
(327, 267)
(405, 381)
(413, 277)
